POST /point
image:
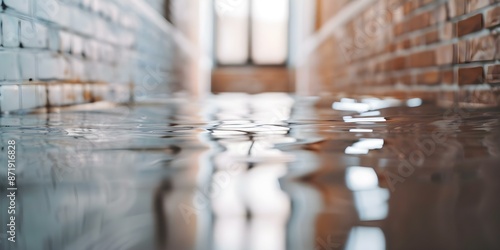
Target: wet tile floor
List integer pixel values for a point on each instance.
(263, 172)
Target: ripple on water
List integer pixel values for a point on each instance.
(247, 171)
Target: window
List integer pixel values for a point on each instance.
(252, 32)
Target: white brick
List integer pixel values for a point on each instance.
(91, 70)
(28, 65)
(125, 21)
(9, 98)
(83, 22)
(9, 66)
(68, 94)
(54, 40)
(29, 97)
(48, 10)
(106, 9)
(113, 34)
(89, 3)
(10, 31)
(98, 6)
(55, 95)
(124, 73)
(33, 35)
(114, 12)
(65, 41)
(100, 72)
(101, 29)
(52, 67)
(107, 53)
(78, 70)
(22, 6)
(90, 50)
(105, 72)
(76, 45)
(127, 38)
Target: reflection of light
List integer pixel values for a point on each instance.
(269, 205)
(263, 192)
(358, 107)
(228, 133)
(356, 151)
(369, 143)
(233, 8)
(229, 232)
(269, 31)
(415, 102)
(369, 119)
(372, 113)
(363, 146)
(360, 178)
(365, 105)
(360, 130)
(274, 11)
(376, 103)
(372, 204)
(362, 238)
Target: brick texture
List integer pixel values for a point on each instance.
(493, 75)
(472, 75)
(81, 51)
(415, 47)
(470, 25)
(493, 17)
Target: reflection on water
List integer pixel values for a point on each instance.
(263, 172)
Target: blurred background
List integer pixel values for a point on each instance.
(63, 52)
(251, 124)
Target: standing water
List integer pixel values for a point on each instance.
(262, 172)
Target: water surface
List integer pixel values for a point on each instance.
(263, 172)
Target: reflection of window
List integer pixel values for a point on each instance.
(252, 31)
(361, 238)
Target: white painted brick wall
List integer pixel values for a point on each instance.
(76, 45)
(29, 97)
(65, 52)
(78, 70)
(9, 98)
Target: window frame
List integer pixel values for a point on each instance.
(249, 62)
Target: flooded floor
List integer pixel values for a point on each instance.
(263, 172)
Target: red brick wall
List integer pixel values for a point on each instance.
(328, 8)
(443, 49)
